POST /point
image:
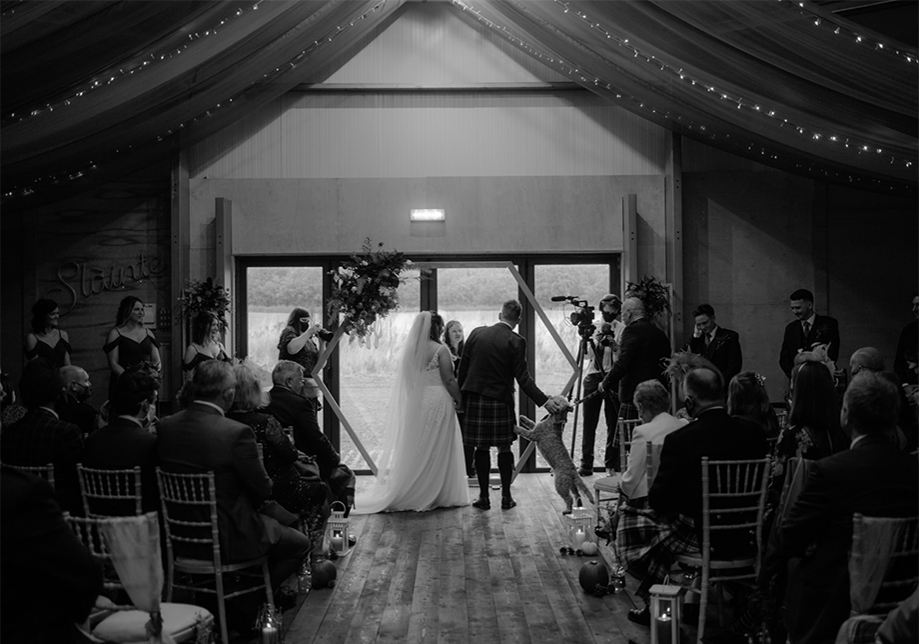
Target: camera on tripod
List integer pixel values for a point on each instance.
(583, 315)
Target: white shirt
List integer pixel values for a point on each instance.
(210, 404)
(634, 482)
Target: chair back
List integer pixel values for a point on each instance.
(882, 563)
(625, 429)
(42, 471)
(652, 461)
(88, 533)
(189, 504)
(733, 503)
(110, 493)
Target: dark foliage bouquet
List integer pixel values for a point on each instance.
(653, 294)
(205, 296)
(365, 287)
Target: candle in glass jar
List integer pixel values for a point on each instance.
(664, 634)
(337, 543)
(270, 634)
(579, 537)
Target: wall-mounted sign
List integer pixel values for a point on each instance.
(83, 280)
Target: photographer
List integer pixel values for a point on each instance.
(297, 345)
(602, 356)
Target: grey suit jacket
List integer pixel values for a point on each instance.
(199, 439)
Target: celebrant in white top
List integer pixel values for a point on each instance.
(422, 465)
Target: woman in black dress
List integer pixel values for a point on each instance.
(454, 339)
(204, 343)
(130, 342)
(46, 340)
(307, 496)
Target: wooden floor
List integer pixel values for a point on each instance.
(464, 575)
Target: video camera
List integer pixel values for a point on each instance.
(583, 315)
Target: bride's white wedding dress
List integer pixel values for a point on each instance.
(422, 465)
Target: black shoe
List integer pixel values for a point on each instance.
(585, 471)
(482, 503)
(640, 616)
(507, 503)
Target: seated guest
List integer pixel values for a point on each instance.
(293, 409)
(50, 581)
(748, 399)
(201, 439)
(127, 441)
(304, 495)
(873, 478)
(41, 437)
(649, 539)
(9, 405)
(866, 358)
(652, 400)
(74, 406)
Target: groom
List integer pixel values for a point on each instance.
(493, 357)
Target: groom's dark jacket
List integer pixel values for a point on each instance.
(493, 358)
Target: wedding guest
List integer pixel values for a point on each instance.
(653, 403)
(873, 478)
(719, 345)
(813, 429)
(906, 362)
(808, 330)
(9, 405)
(201, 439)
(642, 350)
(748, 399)
(46, 339)
(650, 538)
(50, 580)
(127, 440)
(130, 342)
(41, 437)
(292, 487)
(74, 406)
(606, 350)
(293, 409)
(455, 341)
(205, 343)
(867, 358)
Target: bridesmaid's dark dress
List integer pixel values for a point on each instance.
(130, 352)
(55, 355)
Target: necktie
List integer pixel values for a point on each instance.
(708, 339)
(807, 328)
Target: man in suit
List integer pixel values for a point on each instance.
(873, 478)
(127, 441)
(201, 439)
(649, 540)
(493, 358)
(41, 437)
(293, 409)
(807, 331)
(641, 350)
(718, 345)
(50, 580)
(907, 356)
(74, 406)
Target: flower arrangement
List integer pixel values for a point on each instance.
(205, 296)
(365, 287)
(653, 294)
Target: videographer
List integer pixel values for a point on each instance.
(602, 357)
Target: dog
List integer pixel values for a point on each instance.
(547, 434)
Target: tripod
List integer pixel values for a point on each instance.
(587, 342)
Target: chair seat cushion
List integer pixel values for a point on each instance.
(607, 484)
(129, 626)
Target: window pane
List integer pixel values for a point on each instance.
(366, 375)
(588, 282)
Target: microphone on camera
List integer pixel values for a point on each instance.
(562, 298)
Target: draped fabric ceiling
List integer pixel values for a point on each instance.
(93, 90)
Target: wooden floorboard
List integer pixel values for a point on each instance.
(465, 576)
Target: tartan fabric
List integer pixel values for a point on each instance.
(648, 542)
(627, 411)
(489, 421)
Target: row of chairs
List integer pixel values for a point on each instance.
(189, 509)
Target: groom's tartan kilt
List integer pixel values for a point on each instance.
(489, 422)
(647, 543)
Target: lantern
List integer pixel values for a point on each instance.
(337, 529)
(580, 525)
(665, 614)
(268, 626)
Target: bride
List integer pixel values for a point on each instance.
(422, 465)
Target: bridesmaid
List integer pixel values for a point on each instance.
(46, 340)
(455, 339)
(204, 343)
(129, 343)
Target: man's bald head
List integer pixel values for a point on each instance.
(632, 309)
(866, 358)
(702, 388)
